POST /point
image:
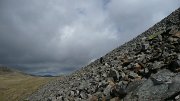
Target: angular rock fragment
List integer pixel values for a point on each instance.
(133, 75)
(83, 95)
(157, 64)
(163, 76)
(114, 74)
(107, 91)
(145, 46)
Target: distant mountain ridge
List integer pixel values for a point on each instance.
(6, 70)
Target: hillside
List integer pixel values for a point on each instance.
(146, 68)
(6, 70)
(16, 85)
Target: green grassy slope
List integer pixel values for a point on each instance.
(15, 86)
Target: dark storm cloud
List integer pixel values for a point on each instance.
(135, 16)
(56, 36)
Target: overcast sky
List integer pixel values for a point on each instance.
(60, 36)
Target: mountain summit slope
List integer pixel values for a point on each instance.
(146, 68)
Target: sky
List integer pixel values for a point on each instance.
(60, 36)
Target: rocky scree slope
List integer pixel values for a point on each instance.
(146, 68)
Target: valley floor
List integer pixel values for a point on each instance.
(14, 87)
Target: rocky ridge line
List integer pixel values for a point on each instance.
(146, 68)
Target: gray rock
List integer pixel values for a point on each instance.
(125, 68)
(155, 88)
(114, 74)
(160, 37)
(178, 56)
(78, 99)
(83, 85)
(104, 75)
(107, 91)
(125, 82)
(148, 92)
(60, 98)
(49, 99)
(157, 64)
(146, 70)
(133, 75)
(123, 74)
(141, 57)
(134, 85)
(174, 87)
(72, 93)
(163, 76)
(177, 97)
(97, 95)
(83, 95)
(145, 46)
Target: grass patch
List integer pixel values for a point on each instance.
(16, 86)
(155, 35)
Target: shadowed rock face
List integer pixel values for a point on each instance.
(146, 68)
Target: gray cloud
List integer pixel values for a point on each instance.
(59, 36)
